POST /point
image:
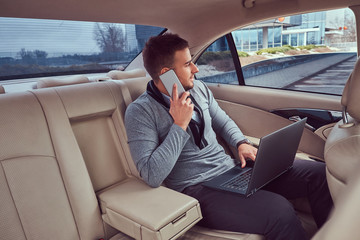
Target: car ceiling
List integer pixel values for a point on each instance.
(199, 21)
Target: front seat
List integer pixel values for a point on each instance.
(344, 221)
(342, 148)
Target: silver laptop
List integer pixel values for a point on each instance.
(275, 156)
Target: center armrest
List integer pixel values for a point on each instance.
(144, 212)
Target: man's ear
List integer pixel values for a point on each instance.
(164, 70)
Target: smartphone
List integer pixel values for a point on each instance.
(168, 79)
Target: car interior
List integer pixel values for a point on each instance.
(66, 168)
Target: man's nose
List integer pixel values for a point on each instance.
(195, 69)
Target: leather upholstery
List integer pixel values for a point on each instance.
(93, 111)
(344, 221)
(138, 210)
(342, 151)
(45, 188)
(351, 97)
(342, 148)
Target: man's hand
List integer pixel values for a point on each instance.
(181, 109)
(246, 151)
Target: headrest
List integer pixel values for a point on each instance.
(54, 82)
(351, 94)
(118, 75)
(2, 90)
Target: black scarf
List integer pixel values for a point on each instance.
(197, 129)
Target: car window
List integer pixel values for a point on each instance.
(313, 52)
(216, 64)
(38, 47)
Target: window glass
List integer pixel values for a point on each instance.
(37, 47)
(260, 38)
(216, 64)
(301, 39)
(254, 40)
(318, 53)
(294, 41)
(270, 37)
(313, 52)
(277, 37)
(285, 39)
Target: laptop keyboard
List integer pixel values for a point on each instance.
(239, 182)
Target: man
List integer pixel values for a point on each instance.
(173, 140)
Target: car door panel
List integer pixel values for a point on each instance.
(272, 99)
(251, 108)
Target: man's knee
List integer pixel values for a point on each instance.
(284, 223)
(283, 211)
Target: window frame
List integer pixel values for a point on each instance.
(235, 57)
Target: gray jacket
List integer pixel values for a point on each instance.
(162, 151)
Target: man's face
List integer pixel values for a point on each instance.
(184, 68)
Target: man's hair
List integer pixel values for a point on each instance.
(159, 52)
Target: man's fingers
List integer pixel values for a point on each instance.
(253, 154)
(175, 92)
(243, 161)
(184, 96)
(188, 101)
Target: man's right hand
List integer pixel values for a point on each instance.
(181, 109)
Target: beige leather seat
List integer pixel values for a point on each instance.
(45, 190)
(342, 148)
(344, 220)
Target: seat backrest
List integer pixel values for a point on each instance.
(46, 192)
(351, 97)
(344, 220)
(342, 148)
(133, 88)
(95, 112)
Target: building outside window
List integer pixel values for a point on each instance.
(298, 30)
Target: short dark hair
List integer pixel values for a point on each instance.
(159, 52)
